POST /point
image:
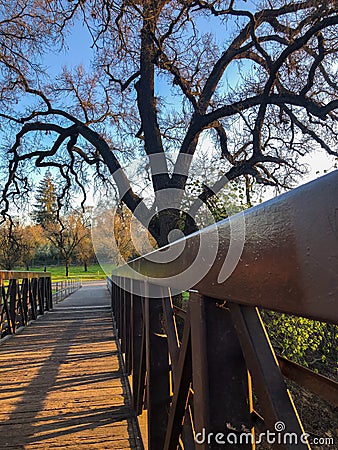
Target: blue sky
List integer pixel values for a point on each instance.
(77, 50)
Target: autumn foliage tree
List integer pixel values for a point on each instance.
(32, 240)
(84, 251)
(18, 244)
(10, 241)
(257, 80)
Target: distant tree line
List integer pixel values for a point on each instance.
(55, 235)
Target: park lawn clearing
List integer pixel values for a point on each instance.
(94, 272)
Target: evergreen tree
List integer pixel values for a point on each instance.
(45, 208)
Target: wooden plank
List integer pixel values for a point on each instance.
(63, 387)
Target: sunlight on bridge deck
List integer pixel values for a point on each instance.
(62, 385)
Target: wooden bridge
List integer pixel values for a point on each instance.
(196, 374)
(62, 381)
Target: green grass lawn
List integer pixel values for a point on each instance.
(94, 272)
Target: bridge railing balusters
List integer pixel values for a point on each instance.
(24, 296)
(193, 384)
(62, 289)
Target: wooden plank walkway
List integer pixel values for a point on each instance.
(62, 384)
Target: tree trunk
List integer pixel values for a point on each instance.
(85, 266)
(67, 268)
(168, 220)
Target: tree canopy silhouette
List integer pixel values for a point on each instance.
(257, 80)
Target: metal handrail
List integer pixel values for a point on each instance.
(289, 257)
(22, 274)
(288, 264)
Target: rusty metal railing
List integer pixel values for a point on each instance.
(203, 381)
(23, 297)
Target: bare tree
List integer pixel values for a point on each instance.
(260, 82)
(67, 234)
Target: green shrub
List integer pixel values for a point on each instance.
(310, 343)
